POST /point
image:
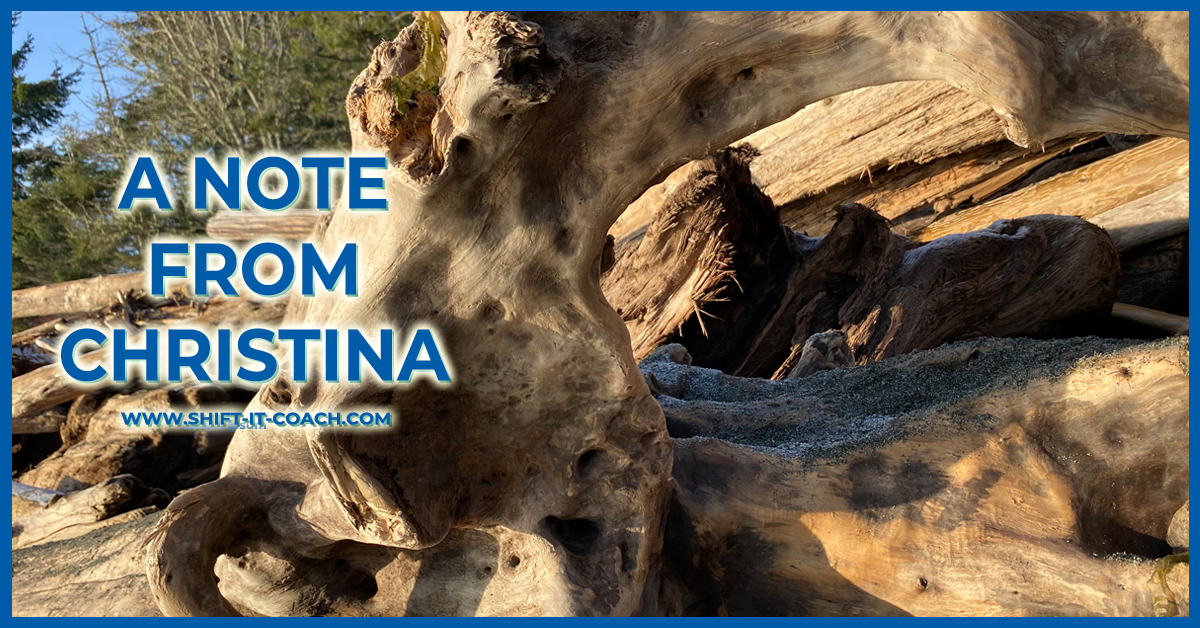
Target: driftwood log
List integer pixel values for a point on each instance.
(29, 350)
(1155, 275)
(1086, 192)
(915, 194)
(102, 573)
(97, 446)
(716, 271)
(1170, 323)
(44, 422)
(49, 386)
(27, 499)
(75, 436)
(83, 295)
(995, 477)
(115, 500)
(896, 148)
(1154, 217)
(869, 130)
(1016, 277)
(294, 224)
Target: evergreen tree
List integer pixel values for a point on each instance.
(36, 106)
(175, 84)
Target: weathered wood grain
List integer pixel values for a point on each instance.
(715, 271)
(1015, 277)
(100, 574)
(1085, 192)
(526, 138)
(912, 195)
(115, 500)
(979, 478)
(714, 258)
(1156, 216)
(81, 295)
(869, 130)
(49, 386)
(293, 224)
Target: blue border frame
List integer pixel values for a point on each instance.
(674, 5)
(591, 5)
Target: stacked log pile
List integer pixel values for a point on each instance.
(76, 467)
(860, 236)
(931, 227)
(744, 294)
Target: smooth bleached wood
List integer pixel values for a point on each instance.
(1085, 192)
(293, 224)
(1170, 323)
(1155, 216)
(49, 385)
(70, 297)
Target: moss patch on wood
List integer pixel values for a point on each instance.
(427, 75)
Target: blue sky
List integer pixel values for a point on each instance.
(57, 35)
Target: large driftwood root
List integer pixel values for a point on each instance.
(544, 470)
(566, 527)
(997, 477)
(206, 522)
